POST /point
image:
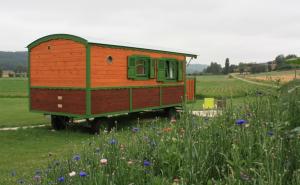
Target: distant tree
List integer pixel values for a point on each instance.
(232, 68)
(226, 68)
(290, 56)
(214, 68)
(258, 68)
(279, 60)
(242, 68)
(0, 72)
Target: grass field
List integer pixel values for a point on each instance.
(24, 151)
(192, 151)
(13, 87)
(221, 86)
(15, 112)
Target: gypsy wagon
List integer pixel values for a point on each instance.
(72, 77)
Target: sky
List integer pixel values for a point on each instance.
(241, 30)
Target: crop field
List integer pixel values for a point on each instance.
(220, 86)
(280, 77)
(254, 141)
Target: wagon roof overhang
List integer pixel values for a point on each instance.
(107, 43)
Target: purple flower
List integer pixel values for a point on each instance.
(76, 157)
(147, 163)
(240, 122)
(82, 174)
(113, 142)
(134, 129)
(270, 133)
(61, 179)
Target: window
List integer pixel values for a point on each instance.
(169, 70)
(140, 67)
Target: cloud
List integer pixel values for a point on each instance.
(243, 30)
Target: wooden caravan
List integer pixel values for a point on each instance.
(72, 77)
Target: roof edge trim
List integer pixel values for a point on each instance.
(57, 36)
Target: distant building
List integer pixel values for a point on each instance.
(8, 74)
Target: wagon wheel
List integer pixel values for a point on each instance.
(59, 122)
(100, 124)
(172, 113)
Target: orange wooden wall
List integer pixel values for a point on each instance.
(63, 65)
(104, 74)
(190, 89)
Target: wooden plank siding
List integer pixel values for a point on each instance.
(110, 100)
(104, 74)
(172, 95)
(145, 97)
(61, 65)
(57, 100)
(190, 89)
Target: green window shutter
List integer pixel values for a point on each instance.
(131, 67)
(152, 68)
(180, 71)
(161, 73)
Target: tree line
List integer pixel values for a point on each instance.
(279, 63)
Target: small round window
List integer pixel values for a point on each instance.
(109, 59)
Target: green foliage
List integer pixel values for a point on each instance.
(214, 68)
(226, 68)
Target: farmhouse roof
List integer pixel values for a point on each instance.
(104, 42)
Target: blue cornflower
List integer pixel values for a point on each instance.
(82, 174)
(113, 142)
(135, 129)
(240, 122)
(76, 157)
(147, 163)
(270, 133)
(61, 179)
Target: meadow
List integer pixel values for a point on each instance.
(250, 143)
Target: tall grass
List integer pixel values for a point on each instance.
(260, 149)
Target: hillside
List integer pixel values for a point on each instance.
(195, 68)
(13, 60)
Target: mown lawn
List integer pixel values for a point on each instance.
(13, 87)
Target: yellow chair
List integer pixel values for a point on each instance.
(209, 103)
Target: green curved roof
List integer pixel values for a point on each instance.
(95, 42)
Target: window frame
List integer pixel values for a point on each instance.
(146, 60)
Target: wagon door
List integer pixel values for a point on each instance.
(191, 89)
